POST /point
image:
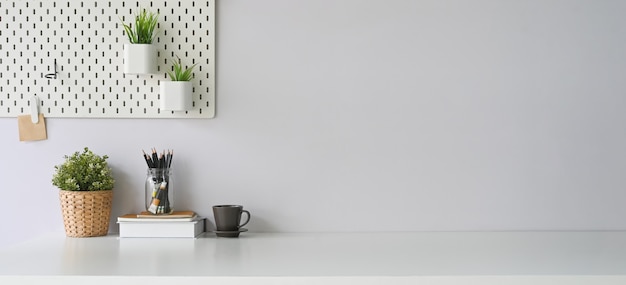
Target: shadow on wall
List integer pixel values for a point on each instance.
(126, 197)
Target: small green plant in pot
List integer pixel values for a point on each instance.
(86, 185)
(139, 53)
(176, 94)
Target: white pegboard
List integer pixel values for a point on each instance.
(86, 38)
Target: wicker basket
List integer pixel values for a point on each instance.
(86, 213)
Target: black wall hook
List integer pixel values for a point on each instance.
(53, 75)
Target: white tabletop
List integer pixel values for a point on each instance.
(587, 255)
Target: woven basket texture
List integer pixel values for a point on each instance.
(86, 213)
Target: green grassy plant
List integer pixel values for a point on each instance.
(180, 74)
(144, 29)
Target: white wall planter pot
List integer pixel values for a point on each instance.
(140, 59)
(176, 95)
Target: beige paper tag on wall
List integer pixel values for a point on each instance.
(29, 131)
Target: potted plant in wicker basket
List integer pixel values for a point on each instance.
(86, 193)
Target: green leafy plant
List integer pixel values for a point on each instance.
(180, 74)
(144, 29)
(83, 171)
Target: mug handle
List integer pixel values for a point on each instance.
(247, 220)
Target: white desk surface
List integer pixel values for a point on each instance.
(324, 258)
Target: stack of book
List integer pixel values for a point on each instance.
(181, 224)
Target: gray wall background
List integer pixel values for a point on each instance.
(399, 115)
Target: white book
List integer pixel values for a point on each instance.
(161, 229)
(135, 219)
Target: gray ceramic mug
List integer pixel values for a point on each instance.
(228, 217)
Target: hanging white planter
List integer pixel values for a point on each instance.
(140, 59)
(176, 95)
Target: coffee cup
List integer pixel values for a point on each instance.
(228, 217)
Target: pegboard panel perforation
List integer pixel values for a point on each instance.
(86, 39)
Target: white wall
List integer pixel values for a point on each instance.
(361, 115)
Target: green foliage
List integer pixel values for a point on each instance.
(178, 74)
(144, 29)
(84, 171)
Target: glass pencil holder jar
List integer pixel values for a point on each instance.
(159, 191)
